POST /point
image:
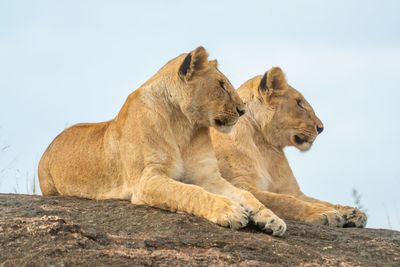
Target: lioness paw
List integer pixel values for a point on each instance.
(353, 217)
(328, 217)
(229, 214)
(269, 223)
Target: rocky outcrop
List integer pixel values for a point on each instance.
(65, 231)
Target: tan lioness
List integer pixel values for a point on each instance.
(252, 156)
(158, 150)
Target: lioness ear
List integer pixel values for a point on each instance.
(274, 79)
(195, 62)
(263, 83)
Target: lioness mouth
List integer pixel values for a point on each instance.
(299, 140)
(219, 122)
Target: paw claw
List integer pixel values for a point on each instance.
(349, 224)
(268, 231)
(260, 225)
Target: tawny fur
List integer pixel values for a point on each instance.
(158, 150)
(252, 156)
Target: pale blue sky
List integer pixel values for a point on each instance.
(64, 62)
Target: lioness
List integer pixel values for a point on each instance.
(158, 150)
(252, 156)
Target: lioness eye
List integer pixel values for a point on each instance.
(222, 84)
(299, 103)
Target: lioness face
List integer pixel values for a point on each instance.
(297, 119)
(218, 100)
(211, 99)
(294, 122)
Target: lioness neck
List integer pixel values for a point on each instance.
(258, 118)
(250, 137)
(258, 128)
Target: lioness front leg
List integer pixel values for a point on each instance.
(165, 193)
(261, 216)
(353, 217)
(292, 208)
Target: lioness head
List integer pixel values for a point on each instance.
(208, 98)
(286, 117)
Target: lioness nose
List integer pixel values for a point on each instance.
(240, 112)
(320, 129)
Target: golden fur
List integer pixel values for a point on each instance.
(158, 150)
(252, 156)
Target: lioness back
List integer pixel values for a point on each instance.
(87, 159)
(60, 160)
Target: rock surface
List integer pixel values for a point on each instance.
(65, 231)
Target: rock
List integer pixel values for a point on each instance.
(65, 231)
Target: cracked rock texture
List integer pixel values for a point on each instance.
(67, 231)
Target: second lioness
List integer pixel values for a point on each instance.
(158, 150)
(252, 156)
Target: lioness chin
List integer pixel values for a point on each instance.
(252, 156)
(158, 151)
